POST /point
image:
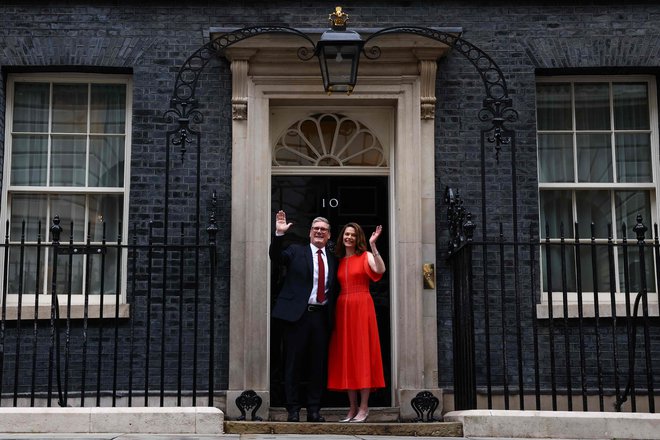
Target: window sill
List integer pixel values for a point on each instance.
(589, 310)
(76, 312)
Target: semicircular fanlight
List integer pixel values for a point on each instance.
(328, 140)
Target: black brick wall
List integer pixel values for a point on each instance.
(153, 39)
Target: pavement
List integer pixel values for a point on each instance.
(207, 437)
(229, 437)
(202, 424)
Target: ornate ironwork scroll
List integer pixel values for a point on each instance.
(425, 404)
(184, 104)
(497, 105)
(247, 401)
(459, 221)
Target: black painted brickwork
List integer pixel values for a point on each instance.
(154, 38)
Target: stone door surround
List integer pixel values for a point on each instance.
(267, 73)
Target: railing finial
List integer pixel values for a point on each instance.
(56, 230)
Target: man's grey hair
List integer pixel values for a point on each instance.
(321, 219)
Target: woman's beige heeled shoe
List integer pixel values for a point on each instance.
(360, 419)
(348, 417)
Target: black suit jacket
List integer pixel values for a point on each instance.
(298, 281)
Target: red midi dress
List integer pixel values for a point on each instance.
(354, 358)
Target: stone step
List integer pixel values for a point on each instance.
(412, 429)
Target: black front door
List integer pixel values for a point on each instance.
(341, 199)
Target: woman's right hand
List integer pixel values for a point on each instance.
(375, 235)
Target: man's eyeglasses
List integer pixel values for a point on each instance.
(319, 229)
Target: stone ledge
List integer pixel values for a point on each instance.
(556, 424)
(142, 420)
(77, 311)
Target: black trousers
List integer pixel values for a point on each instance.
(306, 360)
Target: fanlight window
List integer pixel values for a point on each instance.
(329, 140)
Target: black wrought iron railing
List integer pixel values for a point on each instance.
(93, 323)
(574, 324)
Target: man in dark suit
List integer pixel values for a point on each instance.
(304, 304)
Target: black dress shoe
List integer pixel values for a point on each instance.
(293, 417)
(315, 417)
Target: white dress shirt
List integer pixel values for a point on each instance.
(312, 295)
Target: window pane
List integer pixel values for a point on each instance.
(70, 108)
(556, 213)
(633, 157)
(103, 273)
(294, 147)
(32, 209)
(562, 266)
(360, 149)
(108, 108)
(67, 161)
(319, 132)
(595, 260)
(592, 106)
(594, 158)
(628, 205)
(556, 158)
(31, 107)
(29, 158)
(106, 161)
(631, 106)
(69, 271)
(553, 107)
(596, 207)
(106, 208)
(633, 275)
(70, 208)
(23, 277)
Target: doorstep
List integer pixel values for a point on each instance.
(412, 429)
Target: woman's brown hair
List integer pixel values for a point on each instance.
(360, 240)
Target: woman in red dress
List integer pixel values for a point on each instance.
(355, 363)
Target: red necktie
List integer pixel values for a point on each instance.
(320, 291)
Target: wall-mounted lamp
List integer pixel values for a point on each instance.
(339, 51)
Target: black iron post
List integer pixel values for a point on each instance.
(212, 230)
(460, 260)
(54, 355)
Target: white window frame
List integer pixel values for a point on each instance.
(77, 301)
(653, 187)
